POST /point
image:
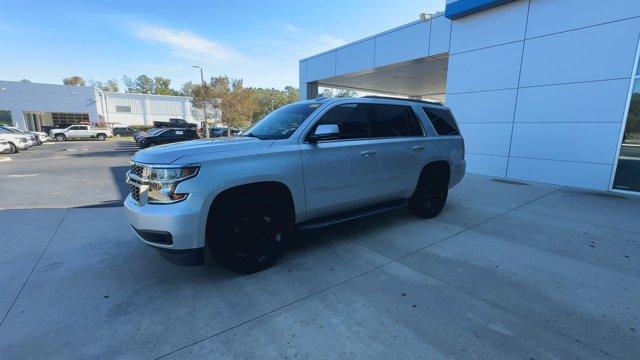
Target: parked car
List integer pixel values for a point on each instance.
(38, 136)
(16, 141)
(33, 138)
(80, 132)
(139, 135)
(305, 165)
(175, 123)
(167, 136)
(123, 131)
(4, 147)
(222, 131)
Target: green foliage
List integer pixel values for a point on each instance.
(109, 86)
(74, 80)
(267, 100)
(144, 84)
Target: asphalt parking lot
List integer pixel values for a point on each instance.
(509, 270)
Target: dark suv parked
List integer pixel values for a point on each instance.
(167, 136)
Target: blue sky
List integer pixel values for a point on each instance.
(259, 41)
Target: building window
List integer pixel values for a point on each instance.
(124, 109)
(67, 119)
(5, 118)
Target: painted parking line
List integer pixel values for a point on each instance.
(5, 159)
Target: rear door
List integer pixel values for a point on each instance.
(341, 174)
(400, 140)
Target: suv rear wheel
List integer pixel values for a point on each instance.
(102, 137)
(247, 238)
(431, 192)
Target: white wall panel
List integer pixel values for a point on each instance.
(487, 69)
(486, 164)
(487, 138)
(406, 43)
(582, 142)
(321, 66)
(302, 71)
(595, 53)
(482, 107)
(552, 16)
(440, 35)
(600, 101)
(593, 176)
(499, 25)
(355, 57)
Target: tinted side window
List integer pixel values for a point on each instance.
(352, 120)
(168, 133)
(442, 121)
(395, 120)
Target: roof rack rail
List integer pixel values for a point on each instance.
(402, 99)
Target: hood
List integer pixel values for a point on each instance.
(167, 154)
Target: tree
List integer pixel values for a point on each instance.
(109, 86)
(162, 86)
(74, 81)
(267, 100)
(227, 98)
(188, 89)
(144, 84)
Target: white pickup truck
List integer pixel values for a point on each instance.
(80, 132)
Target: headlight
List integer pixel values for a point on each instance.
(164, 180)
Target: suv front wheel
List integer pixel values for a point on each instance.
(247, 237)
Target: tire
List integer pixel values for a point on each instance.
(14, 149)
(102, 137)
(247, 238)
(60, 137)
(431, 193)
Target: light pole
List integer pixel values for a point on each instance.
(204, 108)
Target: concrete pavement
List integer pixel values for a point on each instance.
(508, 270)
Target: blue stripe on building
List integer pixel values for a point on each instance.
(462, 8)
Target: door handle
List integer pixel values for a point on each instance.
(418, 148)
(367, 153)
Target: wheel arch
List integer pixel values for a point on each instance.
(440, 167)
(276, 189)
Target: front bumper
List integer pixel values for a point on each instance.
(184, 221)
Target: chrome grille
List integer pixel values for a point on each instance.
(133, 181)
(137, 169)
(135, 193)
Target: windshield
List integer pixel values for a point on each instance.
(11, 130)
(281, 123)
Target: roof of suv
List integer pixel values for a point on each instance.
(375, 97)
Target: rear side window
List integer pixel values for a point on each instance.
(442, 121)
(352, 120)
(395, 120)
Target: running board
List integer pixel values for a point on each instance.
(351, 215)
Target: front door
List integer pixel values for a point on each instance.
(343, 173)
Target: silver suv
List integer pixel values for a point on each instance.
(306, 165)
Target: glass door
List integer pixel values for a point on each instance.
(627, 176)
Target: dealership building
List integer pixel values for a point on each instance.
(543, 90)
(39, 107)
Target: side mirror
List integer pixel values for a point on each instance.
(324, 132)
